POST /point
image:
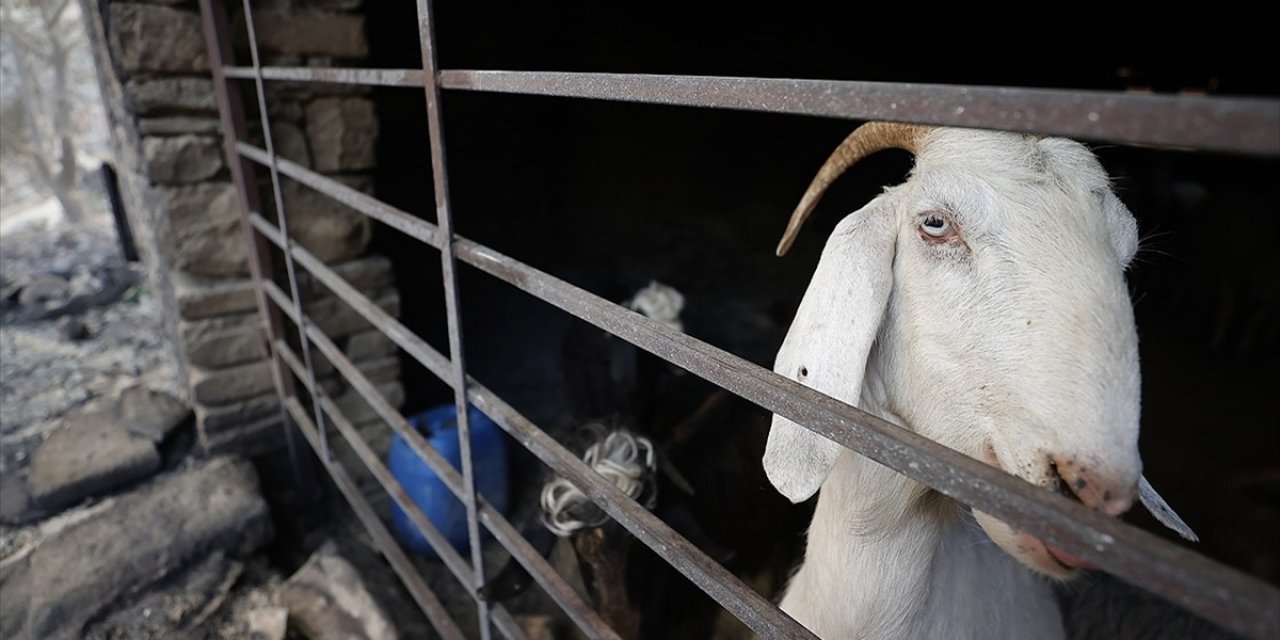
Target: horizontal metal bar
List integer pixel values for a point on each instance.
(1215, 591)
(1243, 125)
(506, 625)
(754, 610)
(397, 219)
(436, 363)
(451, 558)
(400, 562)
(1136, 556)
(555, 586)
(373, 77)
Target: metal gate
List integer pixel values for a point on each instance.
(1212, 590)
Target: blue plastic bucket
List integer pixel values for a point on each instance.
(446, 511)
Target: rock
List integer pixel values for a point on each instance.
(330, 230)
(224, 341)
(224, 386)
(290, 143)
(161, 95)
(204, 235)
(316, 34)
(327, 599)
(369, 344)
(268, 623)
(16, 506)
(181, 159)
(150, 413)
(90, 454)
(177, 607)
(215, 419)
(177, 125)
(200, 298)
(336, 319)
(254, 439)
(74, 329)
(45, 292)
(148, 37)
(342, 133)
(126, 543)
(356, 410)
(369, 274)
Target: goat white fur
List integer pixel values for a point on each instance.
(982, 303)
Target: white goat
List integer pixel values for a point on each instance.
(981, 304)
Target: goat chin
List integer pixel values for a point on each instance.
(923, 569)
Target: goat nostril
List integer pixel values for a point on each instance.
(1089, 488)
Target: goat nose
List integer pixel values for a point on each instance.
(1095, 489)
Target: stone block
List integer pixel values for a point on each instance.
(181, 159)
(199, 298)
(205, 237)
(178, 125)
(148, 37)
(225, 386)
(367, 345)
(317, 34)
(127, 543)
(151, 96)
(90, 454)
(212, 420)
(342, 132)
(223, 341)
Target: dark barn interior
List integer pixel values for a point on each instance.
(610, 196)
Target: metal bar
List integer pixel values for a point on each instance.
(506, 625)
(397, 219)
(283, 219)
(444, 219)
(1236, 601)
(436, 363)
(1153, 564)
(742, 601)
(452, 560)
(555, 586)
(755, 611)
(369, 77)
(231, 114)
(1243, 125)
(400, 563)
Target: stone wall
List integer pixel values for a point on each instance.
(181, 202)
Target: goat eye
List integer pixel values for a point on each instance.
(936, 226)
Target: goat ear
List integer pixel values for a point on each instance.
(829, 340)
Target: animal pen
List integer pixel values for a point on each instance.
(1237, 125)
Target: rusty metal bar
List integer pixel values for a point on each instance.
(1236, 601)
(369, 77)
(450, 557)
(444, 219)
(400, 563)
(282, 218)
(1210, 123)
(416, 347)
(397, 219)
(554, 585)
(213, 15)
(749, 606)
(1244, 125)
(1144, 560)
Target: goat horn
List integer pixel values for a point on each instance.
(864, 141)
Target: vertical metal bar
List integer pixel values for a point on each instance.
(282, 222)
(231, 112)
(435, 127)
